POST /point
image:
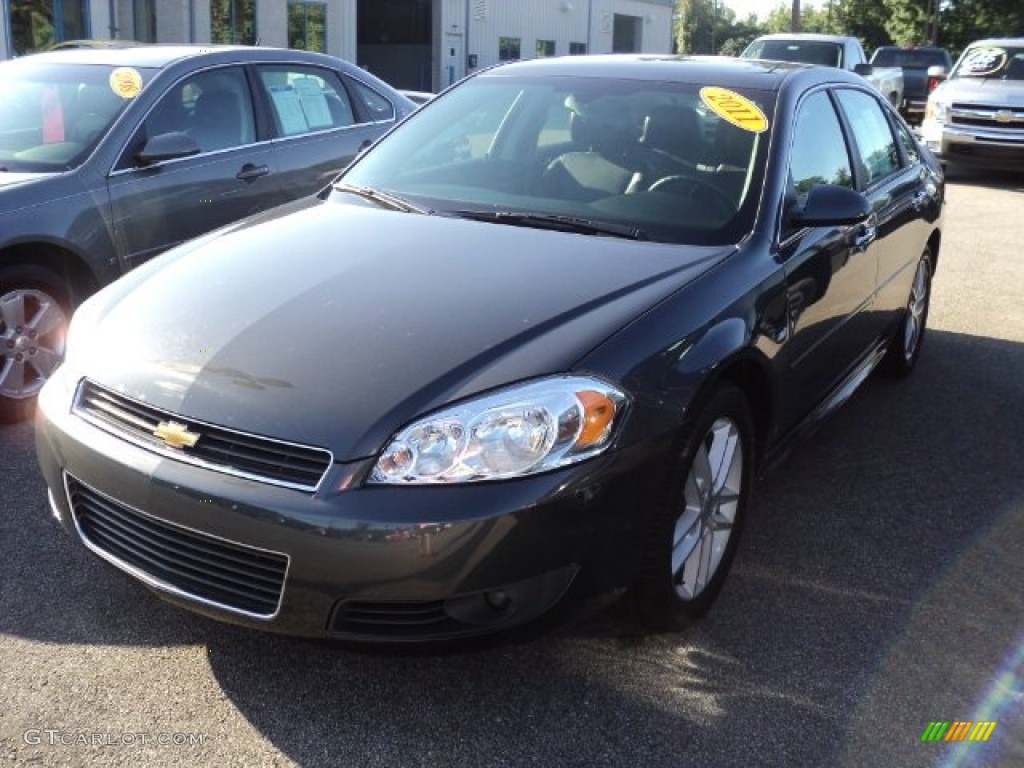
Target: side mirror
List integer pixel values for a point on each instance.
(862, 69)
(937, 71)
(831, 205)
(167, 146)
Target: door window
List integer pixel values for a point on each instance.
(819, 154)
(305, 99)
(876, 150)
(213, 107)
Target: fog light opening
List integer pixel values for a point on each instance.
(498, 600)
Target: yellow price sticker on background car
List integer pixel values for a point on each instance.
(738, 110)
(126, 82)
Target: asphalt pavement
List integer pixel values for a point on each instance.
(879, 587)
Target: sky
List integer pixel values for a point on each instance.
(760, 7)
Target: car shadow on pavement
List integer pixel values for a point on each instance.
(877, 588)
(1012, 181)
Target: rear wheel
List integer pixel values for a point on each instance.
(697, 516)
(905, 347)
(34, 314)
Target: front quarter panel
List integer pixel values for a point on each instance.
(667, 360)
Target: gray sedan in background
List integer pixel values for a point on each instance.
(108, 157)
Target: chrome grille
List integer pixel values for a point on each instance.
(179, 560)
(1010, 119)
(224, 450)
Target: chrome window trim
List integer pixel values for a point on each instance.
(154, 582)
(185, 458)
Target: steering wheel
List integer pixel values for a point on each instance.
(690, 187)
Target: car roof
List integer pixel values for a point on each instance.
(999, 41)
(720, 70)
(815, 37)
(158, 55)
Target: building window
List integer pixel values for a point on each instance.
(577, 49)
(508, 48)
(35, 25)
(233, 22)
(144, 20)
(307, 26)
(545, 48)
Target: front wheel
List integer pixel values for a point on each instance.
(696, 516)
(34, 314)
(905, 347)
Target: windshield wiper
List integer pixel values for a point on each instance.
(559, 222)
(379, 196)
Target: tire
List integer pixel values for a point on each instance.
(905, 346)
(34, 315)
(680, 577)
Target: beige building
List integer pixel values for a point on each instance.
(414, 44)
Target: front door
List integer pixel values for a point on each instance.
(830, 271)
(156, 207)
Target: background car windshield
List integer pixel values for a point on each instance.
(991, 61)
(802, 52)
(52, 116)
(652, 155)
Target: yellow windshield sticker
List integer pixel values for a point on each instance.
(126, 82)
(738, 110)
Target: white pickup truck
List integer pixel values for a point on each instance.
(842, 51)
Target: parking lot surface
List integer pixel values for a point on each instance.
(878, 588)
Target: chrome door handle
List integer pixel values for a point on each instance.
(866, 235)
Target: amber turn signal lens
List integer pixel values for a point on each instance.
(598, 412)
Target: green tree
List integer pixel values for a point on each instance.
(865, 19)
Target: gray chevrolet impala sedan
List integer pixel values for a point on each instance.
(530, 347)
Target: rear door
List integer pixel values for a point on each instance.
(158, 206)
(899, 187)
(320, 125)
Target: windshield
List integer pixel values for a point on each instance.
(991, 61)
(652, 160)
(801, 52)
(53, 115)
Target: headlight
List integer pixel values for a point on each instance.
(528, 428)
(936, 110)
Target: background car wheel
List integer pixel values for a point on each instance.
(34, 315)
(905, 347)
(696, 516)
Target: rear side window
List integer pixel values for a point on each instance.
(876, 151)
(376, 106)
(305, 99)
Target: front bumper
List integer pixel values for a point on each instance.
(981, 147)
(368, 563)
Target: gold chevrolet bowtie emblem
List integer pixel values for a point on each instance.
(175, 435)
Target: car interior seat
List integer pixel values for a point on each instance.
(97, 106)
(217, 120)
(595, 167)
(672, 143)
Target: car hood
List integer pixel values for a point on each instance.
(986, 90)
(338, 324)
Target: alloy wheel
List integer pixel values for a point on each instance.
(32, 330)
(711, 501)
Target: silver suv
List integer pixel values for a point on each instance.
(977, 116)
